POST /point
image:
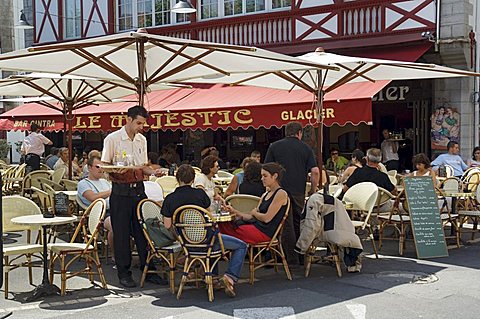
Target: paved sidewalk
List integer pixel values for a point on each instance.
(388, 287)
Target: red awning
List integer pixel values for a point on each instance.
(212, 107)
(406, 52)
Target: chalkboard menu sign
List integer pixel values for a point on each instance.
(425, 216)
(61, 205)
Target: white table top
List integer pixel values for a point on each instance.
(40, 220)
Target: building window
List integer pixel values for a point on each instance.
(144, 13)
(255, 5)
(232, 7)
(277, 4)
(162, 12)
(209, 9)
(73, 23)
(125, 15)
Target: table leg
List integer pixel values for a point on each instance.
(454, 210)
(45, 288)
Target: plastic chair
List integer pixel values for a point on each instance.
(224, 174)
(88, 229)
(168, 184)
(14, 206)
(243, 202)
(201, 243)
(255, 251)
(146, 209)
(363, 196)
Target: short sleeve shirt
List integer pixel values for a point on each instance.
(209, 186)
(297, 158)
(184, 195)
(35, 144)
(118, 143)
(370, 174)
(97, 186)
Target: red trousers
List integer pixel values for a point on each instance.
(248, 233)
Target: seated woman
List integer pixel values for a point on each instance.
(209, 167)
(153, 160)
(238, 178)
(252, 181)
(422, 164)
(260, 224)
(184, 194)
(358, 161)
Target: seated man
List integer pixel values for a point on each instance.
(370, 173)
(94, 186)
(325, 219)
(184, 194)
(336, 162)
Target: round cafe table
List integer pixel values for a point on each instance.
(46, 288)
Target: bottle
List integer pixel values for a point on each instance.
(171, 170)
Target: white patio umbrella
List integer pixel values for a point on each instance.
(142, 59)
(350, 69)
(72, 91)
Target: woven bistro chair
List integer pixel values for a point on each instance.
(201, 243)
(274, 245)
(471, 214)
(243, 202)
(58, 174)
(399, 219)
(30, 182)
(14, 206)
(310, 258)
(363, 196)
(7, 179)
(146, 209)
(168, 184)
(88, 228)
(69, 185)
(46, 181)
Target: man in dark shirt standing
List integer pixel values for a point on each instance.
(370, 173)
(298, 160)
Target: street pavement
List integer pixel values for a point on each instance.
(388, 287)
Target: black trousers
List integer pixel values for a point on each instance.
(392, 165)
(291, 229)
(123, 213)
(33, 162)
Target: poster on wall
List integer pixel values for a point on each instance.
(445, 122)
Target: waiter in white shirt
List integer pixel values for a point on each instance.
(390, 152)
(33, 147)
(129, 145)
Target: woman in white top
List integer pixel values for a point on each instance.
(422, 164)
(475, 161)
(209, 167)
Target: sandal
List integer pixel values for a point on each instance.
(229, 290)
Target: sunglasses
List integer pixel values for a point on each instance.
(335, 153)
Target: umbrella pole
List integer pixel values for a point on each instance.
(319, 106)
(141, 71)
(69, 105)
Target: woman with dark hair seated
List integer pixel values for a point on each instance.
(260, 224)
(358, 161)
(252, 180)
(185, 194)
(209, 167)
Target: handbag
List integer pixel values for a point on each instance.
(158, 233)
